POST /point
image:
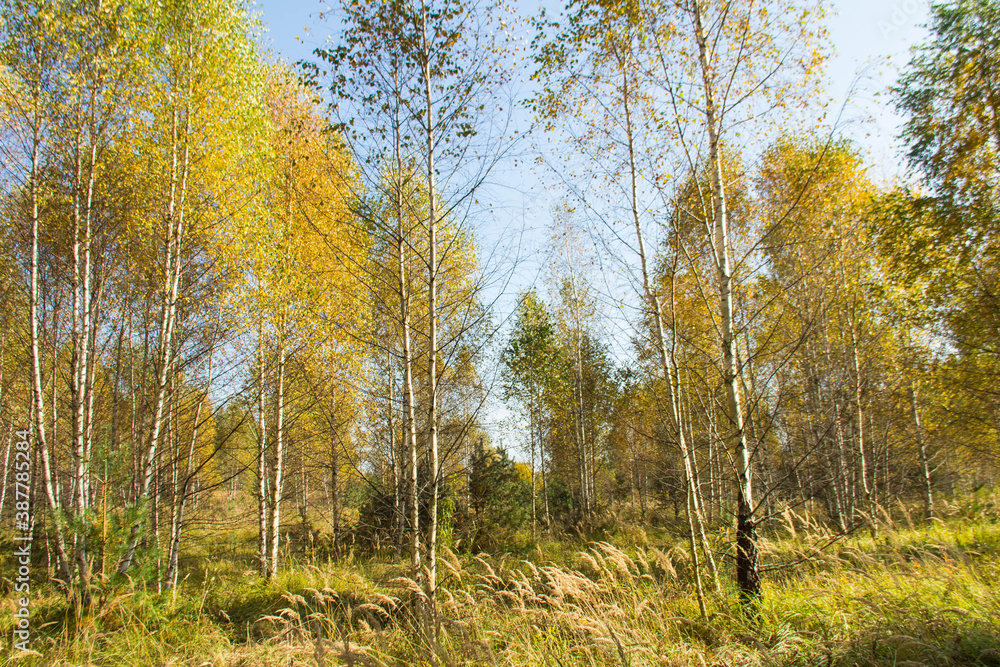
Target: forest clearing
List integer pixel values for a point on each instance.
(914, 596)
(495, 335)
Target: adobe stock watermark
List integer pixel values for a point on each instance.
(23, 525)
(901, 16)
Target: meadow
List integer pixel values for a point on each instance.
(911, 595)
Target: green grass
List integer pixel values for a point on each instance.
(913, 595)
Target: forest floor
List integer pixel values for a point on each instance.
(913, 595)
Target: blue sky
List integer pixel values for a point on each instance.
(871, 39)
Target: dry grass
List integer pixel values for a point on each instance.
(913, 596)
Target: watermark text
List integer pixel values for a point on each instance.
(23, 525)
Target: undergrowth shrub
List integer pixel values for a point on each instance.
(911, 595)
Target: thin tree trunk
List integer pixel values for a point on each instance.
(545, 486)
(712, 478)
(80, 363)
(747, 568)
(177, 511)
(667, 361)
(579, 408)
(859, 421)
(398, 465)
(54, 394)
(633, 477)
(303, 502)
(925, 464)
(531, 438)
(409, 418)
(133, 393)
(168, 313)
(262, 496)
(840, 478)
(36, 366)
(278, 479)
(409, 414)
(279, 459)
(886, 491)
(335, 484)
(699, 587)
(88, 435)
(432, 350)
(178, 506)
(859, 428)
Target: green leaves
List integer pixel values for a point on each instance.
(950, 96)
(530, 350)
(948, 240)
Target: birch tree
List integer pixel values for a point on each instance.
(200, 121)
(77, 106)
(941, 239)
(677, 79)
(819, 202)
(430, 70)
(30, 48)
(529, 357)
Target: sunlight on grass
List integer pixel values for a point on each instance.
(910, 596)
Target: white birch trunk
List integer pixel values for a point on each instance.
(409, 414)
(925, 464)
(58, 521)
(179, 166)
(747, 570)
(279, 460)
(668, 363)
(430, 585)
(262, 499)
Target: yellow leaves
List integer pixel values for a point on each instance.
(304, 245)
